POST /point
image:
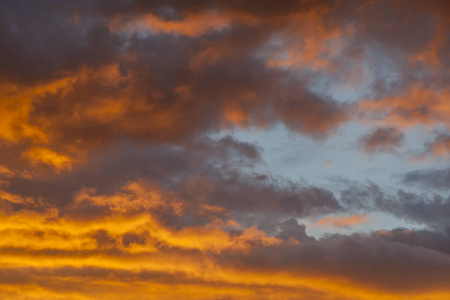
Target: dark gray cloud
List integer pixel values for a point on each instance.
(387, 263)
(203, 172)
(292, 229)
(119, 163)
(54, 39)
(439, 179)
(259, 199)
(45, 39)
(430, 208)
(438, 241)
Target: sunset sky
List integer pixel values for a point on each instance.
(225, 149)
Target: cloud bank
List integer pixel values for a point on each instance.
(121, 176)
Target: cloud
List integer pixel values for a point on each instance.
(428, 208)
(192, 24)
(434, 178)
(97, 105)
(415, 106)
(371, 268)
(418, 238)
(440, 146)
(226, 80)
(49, 157)
(120, 175)
(343, 221)
(139, 246)
(382, 139)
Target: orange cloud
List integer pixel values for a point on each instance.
(430, 55)
(317, 43)
(49, 157)
(32, 230)
(13, 198)
(16, 105)
(130, 252)
(5, 171)
(193, 24)
(343, 221)
(440, 146)
(416, 105)
(134, 196)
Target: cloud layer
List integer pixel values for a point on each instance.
(121, 175)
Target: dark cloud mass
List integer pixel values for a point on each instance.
(125, 172)
(439, 178)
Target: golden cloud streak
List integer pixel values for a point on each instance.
(50, 244)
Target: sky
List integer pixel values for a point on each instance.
(225, 149)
